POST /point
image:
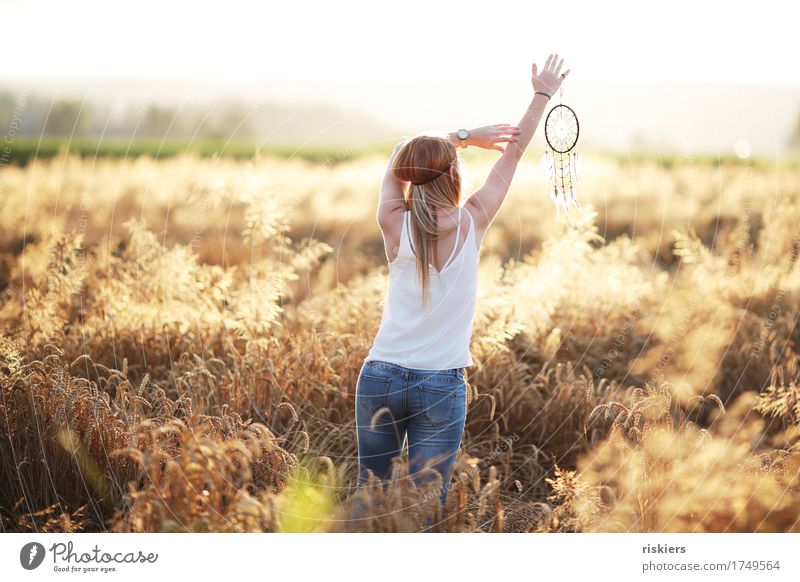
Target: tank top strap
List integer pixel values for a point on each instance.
(471, 228)
(455, 245)
(405, 237)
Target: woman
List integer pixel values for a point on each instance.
(412, 383)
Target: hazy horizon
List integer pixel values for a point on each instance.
(688, 117)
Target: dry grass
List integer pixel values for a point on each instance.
(182, 341)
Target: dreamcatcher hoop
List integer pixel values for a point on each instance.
(561, 128)
(560, 162)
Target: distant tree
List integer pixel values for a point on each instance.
(67, 117)
(157, 122)
(6, 107)
(794, 140)
(228, 123)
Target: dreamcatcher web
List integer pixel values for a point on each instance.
(560, 162)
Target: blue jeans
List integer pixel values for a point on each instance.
(426, 407)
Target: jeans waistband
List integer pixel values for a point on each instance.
(458, 373)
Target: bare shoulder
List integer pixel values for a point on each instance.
(482, 215)
(391, 225)
(478, 219)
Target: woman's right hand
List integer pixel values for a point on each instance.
(549, 80)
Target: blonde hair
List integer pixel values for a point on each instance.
(430, 165)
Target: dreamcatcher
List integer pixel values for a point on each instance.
(561, 164)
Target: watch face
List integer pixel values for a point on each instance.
(462, 134)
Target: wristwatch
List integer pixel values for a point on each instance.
(463, 135)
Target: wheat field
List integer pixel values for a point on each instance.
(181, 339)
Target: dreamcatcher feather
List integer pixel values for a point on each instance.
(560, 162)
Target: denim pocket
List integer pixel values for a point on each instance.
(372, 392)
(438, 401)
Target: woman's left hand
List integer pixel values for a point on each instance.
(490, 136)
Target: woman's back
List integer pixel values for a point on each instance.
(436, 336)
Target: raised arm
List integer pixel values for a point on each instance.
(486, 201)
(392, 202)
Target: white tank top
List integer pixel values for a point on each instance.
(436, 337)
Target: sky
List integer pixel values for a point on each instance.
(469, 42)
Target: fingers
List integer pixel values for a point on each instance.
(505, 132)
(564, 75)
(552, 64)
